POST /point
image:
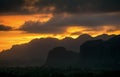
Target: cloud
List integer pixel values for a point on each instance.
(43, 28)
(5, 28)
(86, 20)
(59, 23)
(58, 6)
(80, 6)
(10, 6)
(29, 5)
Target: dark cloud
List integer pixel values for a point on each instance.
(59, 23)
(69, 6)
(58, 6)
(38, 27)
(10, 6)
(5, 28)
(79, 6)
(86, 20)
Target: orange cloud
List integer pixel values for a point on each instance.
(17, 20)
(18, 37)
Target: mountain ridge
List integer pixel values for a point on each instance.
(38, 49)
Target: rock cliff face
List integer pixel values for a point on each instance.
(59, 57)
(101, 54)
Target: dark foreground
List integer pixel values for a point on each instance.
(45, 72)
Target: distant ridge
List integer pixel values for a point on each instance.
(35, 52)
(101, 54)
(59, 57)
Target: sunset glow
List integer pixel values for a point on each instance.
(18, 37)
(24, 20)
(17, 20)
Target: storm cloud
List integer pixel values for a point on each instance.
(10, 6)
(60, 23)
(58, 6)
(44, 28)
(80, 6)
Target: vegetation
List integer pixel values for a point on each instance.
(54, 72)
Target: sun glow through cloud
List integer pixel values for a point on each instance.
(17, 20)
(18, 37)
(9, 38)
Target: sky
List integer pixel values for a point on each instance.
(24, 20)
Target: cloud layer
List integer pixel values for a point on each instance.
(59, 23)
(92, 15)
(11, 6)
(80, 6)
(58, 6)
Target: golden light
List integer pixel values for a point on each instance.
(9, 38)
(71, 31)
(18, 20)
(17, 37)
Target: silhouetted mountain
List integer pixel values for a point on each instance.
(84, 37)
(73, 44)
(59, 57)
(104, 36)
(35, 52)
(29, 54)
(101, 54)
